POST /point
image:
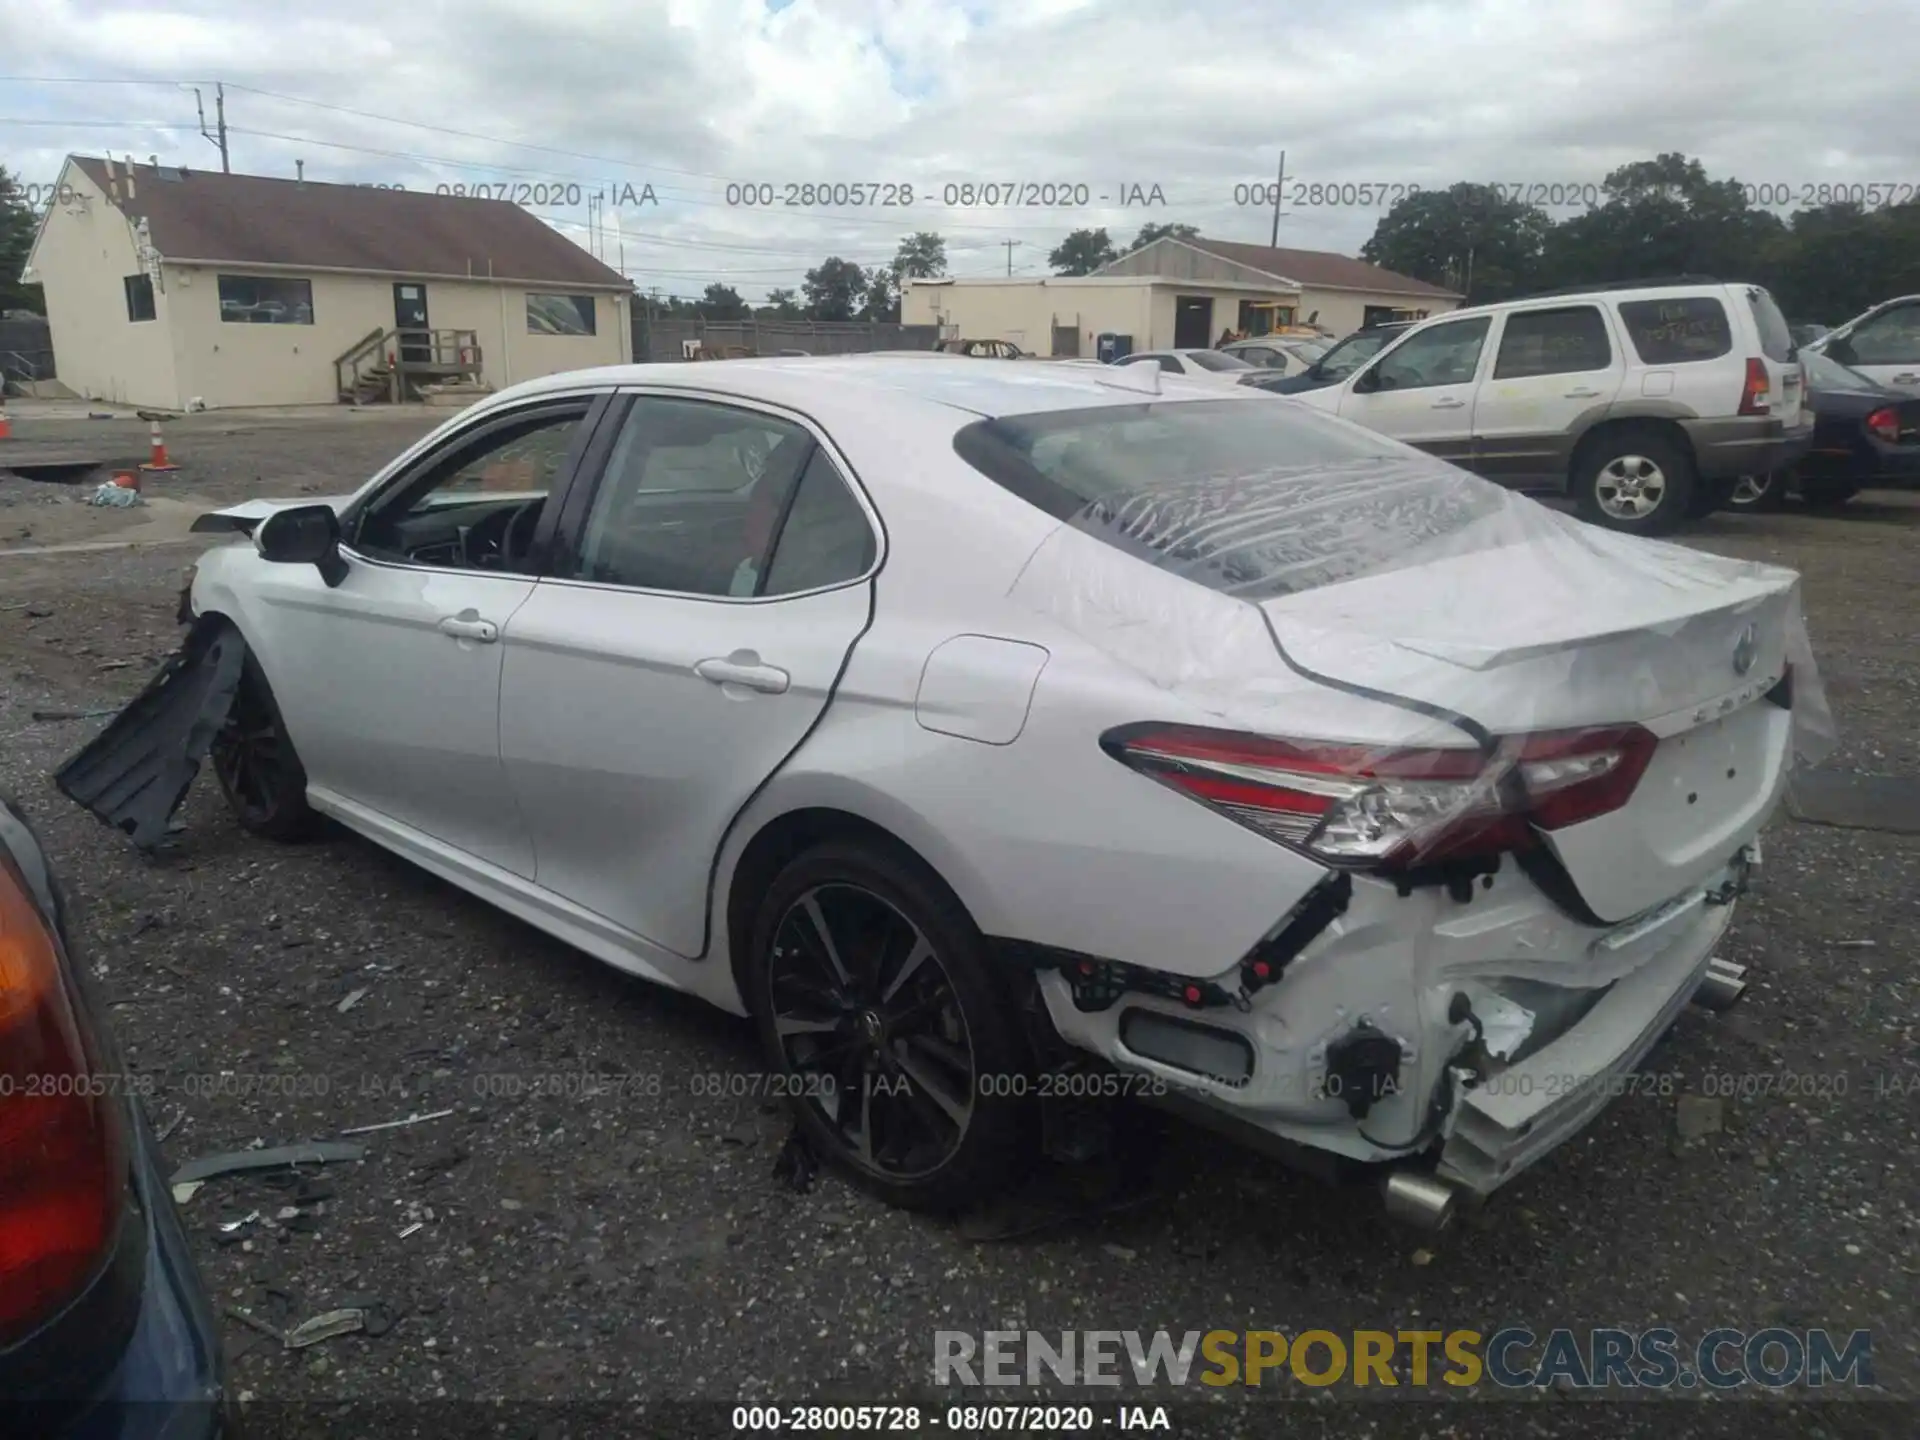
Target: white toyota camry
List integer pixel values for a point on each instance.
(984, 731)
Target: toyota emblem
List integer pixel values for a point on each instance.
(1745, 650)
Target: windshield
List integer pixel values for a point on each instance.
(1307, 351)
(1255, 499)
(1353, 352)
(1825, 373)
(1217, 360)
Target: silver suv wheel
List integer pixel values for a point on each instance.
(1630, 487)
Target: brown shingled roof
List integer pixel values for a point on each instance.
(1321, 268)
(251, 220)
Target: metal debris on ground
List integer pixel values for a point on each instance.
(325, 1327)
(416, 1225)
(1855, 944)
(354, 997)
(230, 1227)
(312, 1152)
(415, 1119)
(72, 714)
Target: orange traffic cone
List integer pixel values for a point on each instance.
(158, 460)
(6, 425)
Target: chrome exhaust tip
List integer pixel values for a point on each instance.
(1418, 1199)
(1722, 986)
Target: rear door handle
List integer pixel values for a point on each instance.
(1906, 379)
(1583, 394)
(743, 668)
(469, 626)
(1449, 404)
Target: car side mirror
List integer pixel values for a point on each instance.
(303, 535)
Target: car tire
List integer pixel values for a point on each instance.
(1827, 494)
(257, 767)
(904, 1076)
(1757, 494)
(1615, 474)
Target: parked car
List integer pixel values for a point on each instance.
(965, 725)
(1281, 354)
(983, 349)
(1883, 344)
(1865, 435)
(105, 1328)
(1213, 366)
(1343, 357)
(1645, 402)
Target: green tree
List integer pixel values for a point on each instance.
(782, 305)
(836, 289)
(1154, 230)
(722, 302)
(882, 300)
(1833, 261)
(1081, 253)
(921, 256)
(1468, 238)
(18, 225)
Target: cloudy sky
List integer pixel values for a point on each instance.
(1194, 97)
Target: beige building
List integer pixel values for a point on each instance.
(165, 285)
(1174, 294)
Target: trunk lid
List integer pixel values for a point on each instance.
(1544, 636)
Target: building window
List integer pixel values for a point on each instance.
(139, 297)
(560, 315)
(258, 300)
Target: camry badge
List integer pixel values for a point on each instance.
(1745, 650)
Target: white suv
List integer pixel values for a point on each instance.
(1645, 402)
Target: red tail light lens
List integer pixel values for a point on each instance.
(61, 1147)
(1886, 424)
(1754, 395)
(1389, 809)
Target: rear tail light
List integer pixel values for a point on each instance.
(1391, 809)
(1885, 423)
(1754, 396)
(61, 1144)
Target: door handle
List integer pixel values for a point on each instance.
(470, 627)
(1449, 404)
(1906, 379)
(743, 668)
(1583, 394)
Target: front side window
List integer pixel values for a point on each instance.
(1677, 331)
(1553, 342)
(691, 499)
(475, 505)
(1447, 354)
(560, 315)
(1350, 354)
(139, 297)
(265, 300)
(1890, 338)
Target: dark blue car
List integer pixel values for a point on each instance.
(105, 1330)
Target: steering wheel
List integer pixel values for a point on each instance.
(480, 550)
(513, 544)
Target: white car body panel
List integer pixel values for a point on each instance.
(579, 771)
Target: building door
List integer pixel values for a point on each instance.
(410, 313)
(1192, 322)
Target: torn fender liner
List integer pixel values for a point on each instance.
(134, 775)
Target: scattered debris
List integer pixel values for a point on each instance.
(354, 997)
(254, 1322)
(415, 1119)
(172, 1125)
(1423, 1257)
(186, 1190)
(1855, 944)
(118, 497)
(416, 1225)
(114, 665)
(312, 1152)
(1121, 1252)
(325, 1327)
(234, 1227)
(72, 714)
(1697, 1116)
(796, 1164)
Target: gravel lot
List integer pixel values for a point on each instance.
(635, 1241)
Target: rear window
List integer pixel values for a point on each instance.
(1679, 330)
(1776, 336)
(1253, 498)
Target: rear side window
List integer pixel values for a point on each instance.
(826, 538)
(1776, 339)
(1679, 330)
(1252, 498)
(1553, 342)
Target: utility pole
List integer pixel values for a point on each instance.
(219, 139)
(1010, 244)
(1279, 188)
